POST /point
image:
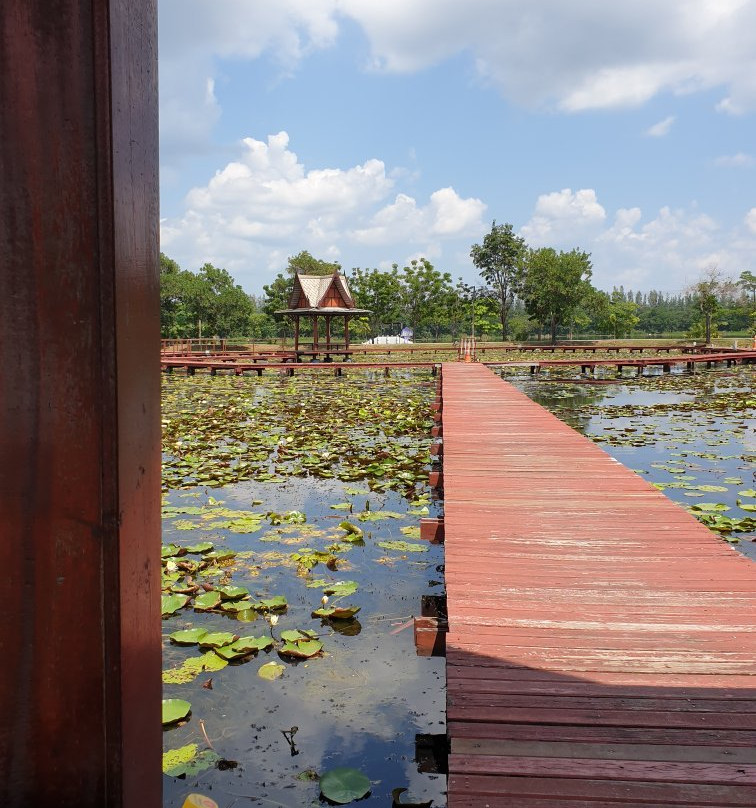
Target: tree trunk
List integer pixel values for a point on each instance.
(553, 330)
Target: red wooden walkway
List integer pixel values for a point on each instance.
(601, 641)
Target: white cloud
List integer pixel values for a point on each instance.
(266, 205)
(667, 251)
(563, 214)
(661, 129)
(750, 220)
(570, 56)
(739, 160)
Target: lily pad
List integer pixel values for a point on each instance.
(343, 785)
(301, 650)
(217, 639)
(170, 604)
(271, 670)
(191, 668)
(207, 601)
(341, 589)
(188, 761)
(233, 592)
(274, 604)
(403, 546)
(188, 636)
(200, 547)
(351, 529)
(175, 710)
(336, 612)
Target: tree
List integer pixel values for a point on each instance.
(555, 284)
(613, 313)
(381, 292)
(705, 293)
(748, 283)
(425, 289)
(501, 261)
(305, 263)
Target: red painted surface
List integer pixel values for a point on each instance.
(602, 643)
(79, 407)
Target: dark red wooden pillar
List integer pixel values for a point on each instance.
(79, 405)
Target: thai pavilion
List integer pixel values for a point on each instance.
(321, 296)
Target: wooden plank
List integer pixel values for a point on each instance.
(602, 642)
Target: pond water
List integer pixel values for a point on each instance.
(268, 470)
(362, 700)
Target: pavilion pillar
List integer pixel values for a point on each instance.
(328, 331)
(296, 332)
(79, 409)
(346, 331)
(315, 332)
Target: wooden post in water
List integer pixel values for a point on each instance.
(79, 408)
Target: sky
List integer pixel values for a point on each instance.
(372, 133)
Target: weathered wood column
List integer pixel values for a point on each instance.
(79, 405)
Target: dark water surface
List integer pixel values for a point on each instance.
(363, 701)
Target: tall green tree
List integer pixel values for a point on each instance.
(381, 292)
(747, 282)
(706, 297)
(501, 261)
(613, 314)
(555, 285)
(425, 290)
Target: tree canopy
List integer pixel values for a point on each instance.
(501, 261)
(555, 284)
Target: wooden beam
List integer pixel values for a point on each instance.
(79, 416)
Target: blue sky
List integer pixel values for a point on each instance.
(372, 133)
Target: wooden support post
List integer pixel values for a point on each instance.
(432, 530)
(437, 431)
(436, 479)
(437, 449)
(386, 371)
(80, 415)
(666, 368)
(189, 370)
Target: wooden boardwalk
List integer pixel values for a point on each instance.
(601, 645)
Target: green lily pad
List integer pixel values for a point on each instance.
(748, 492)
(403, 546)
(298, 635)
(244, 646)
(274, 604)
(710, 506)
(232, 592)
(216, 639)
(170, 604)
(191, 668)
(188, 761)
(246, 615)
(207, 601)
(169, 550)
(200, 547)
(342, 506)
(302, 650)
(271, 670)
(413, 531)
(188, 636)
(343, 785)
(175, 710)
(341, 589)
(377, 516)
(351, 529)
(336, 612)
